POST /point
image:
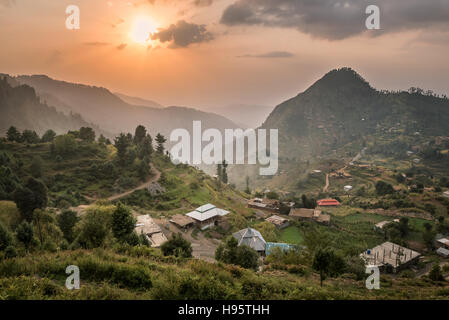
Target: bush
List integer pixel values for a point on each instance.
(10, 252)
(25, 233)
(177, 246)
(231, 253)
(123, 223)
(66, 222)
(5, 238)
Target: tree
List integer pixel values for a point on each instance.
(13, 134)
(36, 167)
(327, 263)
(102, 140)
(143, 169)
(94, 228)
(139, 134)
(160, 140)
(383, 188)
(244, 256)
(30, 136)
(30, 197)
(122, 222)
(5, 238)
(121, 143)
(177, 246)
(66, 222)
(145, 147)
(25, 233)
(435, 274)
(87, 134)
(64, 145)
(272, 195)
(48, 136)
(224, 175)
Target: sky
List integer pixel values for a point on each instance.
(214, 53)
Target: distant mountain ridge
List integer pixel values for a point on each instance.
(22, 108)
(138, 101)
(100, 106)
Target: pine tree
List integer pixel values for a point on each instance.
(160, 139)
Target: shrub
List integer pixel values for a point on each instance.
(5, 238)
(25, 233)
(10, 252)
(177, 246)
(122, 223)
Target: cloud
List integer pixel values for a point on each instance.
(272, 54)
(203, 3)
(121, 46)
(182, 34)
(335, 20)
(96, 44)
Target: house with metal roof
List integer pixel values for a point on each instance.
(207, 215)
(251, 238)
(443, 252)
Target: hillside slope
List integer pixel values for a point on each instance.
(22, 108)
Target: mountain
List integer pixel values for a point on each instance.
(102, 107)
(342, 107)
(249, 116)
(138, 101)
(22, 108)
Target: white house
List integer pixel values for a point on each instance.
(207, 215)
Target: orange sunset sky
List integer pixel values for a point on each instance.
(212, 53)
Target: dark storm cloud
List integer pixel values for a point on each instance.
(182, 34)
(334, 19)
(272, 54)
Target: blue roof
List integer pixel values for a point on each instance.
(284, 246)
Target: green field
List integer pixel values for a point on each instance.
(292, 235)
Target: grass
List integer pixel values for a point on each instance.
(292, 235)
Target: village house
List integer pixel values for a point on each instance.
(146, 225)
(390, 257)
(207, 215)
(278, 221)
(443, 252)
(251, 238)
(182, 221)
(270, 205)
(310, 215)
(328, 203)
(446, 194)
(442, 243)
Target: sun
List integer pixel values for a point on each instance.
(142, 29)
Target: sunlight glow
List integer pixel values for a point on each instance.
(142, 28)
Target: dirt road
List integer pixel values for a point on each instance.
(326, 186)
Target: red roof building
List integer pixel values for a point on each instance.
(328, 203)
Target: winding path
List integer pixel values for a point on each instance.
(154, 178)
